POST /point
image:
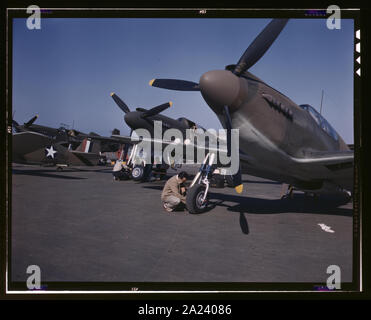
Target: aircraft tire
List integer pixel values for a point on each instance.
(229, 181)
(217, 181)
(137, 173)
(125, 176)
(147, 172)
(193, 200)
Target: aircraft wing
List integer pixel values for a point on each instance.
(328, 158)
(164, 143)
(336, 167)
(28, 141)
(83, 158)
(128, 140)
(113, 138)
(124, 139)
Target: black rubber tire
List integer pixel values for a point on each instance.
(217, 181)
(125, 176)
(137, 173)
(229, 181)
(163, 176)
(193, 196)
(147, 172)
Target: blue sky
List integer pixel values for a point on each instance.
(66, 70)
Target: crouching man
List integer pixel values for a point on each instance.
(174, 193)
(119, 171)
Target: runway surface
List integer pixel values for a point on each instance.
(80, 225)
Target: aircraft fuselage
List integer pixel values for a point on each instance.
(272, 128)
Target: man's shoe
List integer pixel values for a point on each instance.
(166, 208)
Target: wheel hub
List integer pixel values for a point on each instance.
(200, 204)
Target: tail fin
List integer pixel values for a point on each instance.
(85, 146)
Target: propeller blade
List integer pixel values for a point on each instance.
(237, 181)
(228, 124)
(236, 178)
(156, 110)
(120, 103)
(260, 45)
(174, 84)
(31, 121)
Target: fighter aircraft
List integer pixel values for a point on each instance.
(37, 144)
(278, 139)
(144, 119)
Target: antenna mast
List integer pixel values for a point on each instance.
(320, 111)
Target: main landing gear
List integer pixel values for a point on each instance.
(197, 201)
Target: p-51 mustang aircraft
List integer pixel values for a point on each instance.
(144, 119)
(37, 144)
(278, 139)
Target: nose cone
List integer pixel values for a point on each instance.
(219, 88)
(132, 120)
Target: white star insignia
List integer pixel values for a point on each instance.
(51, 152)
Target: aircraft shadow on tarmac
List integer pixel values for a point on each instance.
(108, 170)
(243, 221)
(262, 182)
(46, 174)
(298, 204)
(154, 187)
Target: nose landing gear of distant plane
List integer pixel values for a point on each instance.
(141, 172)
(60, 167)
(137, 173)
(197, 201)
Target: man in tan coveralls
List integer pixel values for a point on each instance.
(174, 192)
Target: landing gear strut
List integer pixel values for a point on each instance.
(197, 193)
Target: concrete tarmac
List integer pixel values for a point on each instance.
(80, 225)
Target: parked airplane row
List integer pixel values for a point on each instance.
(278, 139)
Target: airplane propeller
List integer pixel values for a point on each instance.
(146, 113)
(260, 45)
(251, 55)
(120, 103)
(157, 110)
(228, 124)
(31, 121)
(174, 84)
(236, 178)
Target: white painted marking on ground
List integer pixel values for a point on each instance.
(325, 228)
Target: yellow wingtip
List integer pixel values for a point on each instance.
(171, 103)
(151, 82)
(239, 188)
(112, 93)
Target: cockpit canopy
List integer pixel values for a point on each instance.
(321, 121)
(190, 124)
